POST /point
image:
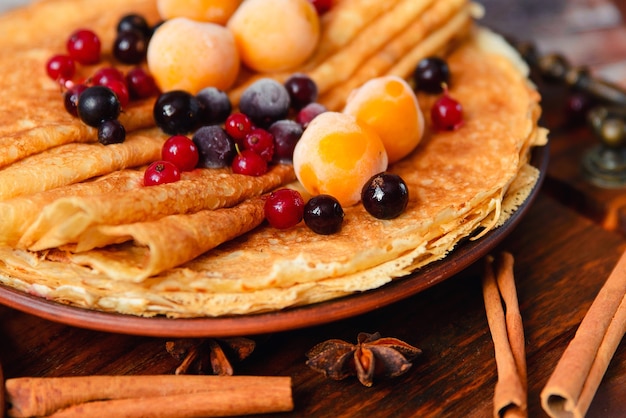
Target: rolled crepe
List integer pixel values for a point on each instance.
(72, 163)
(65, 220)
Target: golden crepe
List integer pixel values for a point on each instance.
(200, 247)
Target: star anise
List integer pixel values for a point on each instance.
(209, 356)
(371, 356)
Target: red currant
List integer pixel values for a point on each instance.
(446, 113)
(250, 163)
(237, 126)
(322, 6)
(106, 74)
(160, 172)
(260, 141)
(141, 84)
(121, 91)
(84, 47)
(284, 208)
(61, 68)
(181, 151)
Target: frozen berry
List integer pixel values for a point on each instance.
(275, 35)
(302, 90)
(130, 47)
(284, 208)
(70, 98)
(215, 147)
(215, 105)
(309, 112)
(238, 125)
(323, 214)
(260, 141)
(446, 113)
(250, 163)
(111, 132)
(98, 104)
(286, 134)
(265, 101)
(160, 172)
(181, 151)
(141, 84)
(61, 68)
(84, 47)
(177, 112)
(431, 75)
(385, 195)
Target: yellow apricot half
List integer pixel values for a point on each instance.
(389, 105)
(184, 54)
(336, 155)
(275, 35)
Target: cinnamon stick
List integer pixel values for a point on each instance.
(500, 295)
(45, 396)
(1, 393)
(218, 403)
(575, 380)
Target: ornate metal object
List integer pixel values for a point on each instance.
(604, 164)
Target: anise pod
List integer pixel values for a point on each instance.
(371, 356)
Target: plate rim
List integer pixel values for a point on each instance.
(289, 318)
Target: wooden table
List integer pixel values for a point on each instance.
(562, 253)
(562, 259)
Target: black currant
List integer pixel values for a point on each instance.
(385, 195)
(323, 214)
(302, 90)
(431, 75)
(177, 112)
(130, 47)
(111, 132)
(97, 104)
(136, 22)
(70, 98)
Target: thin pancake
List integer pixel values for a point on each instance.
(458, 183)
(80, 219)
(72, 163)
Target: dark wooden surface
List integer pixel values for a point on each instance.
(562, 259)
(563, 250)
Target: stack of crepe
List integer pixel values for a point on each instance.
(79, 228)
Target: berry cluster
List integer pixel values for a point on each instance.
(264, 131)
(432, 76)
(99, 100)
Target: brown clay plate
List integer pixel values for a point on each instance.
(299, 317)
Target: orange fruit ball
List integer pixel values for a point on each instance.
(389, 106)
(275, 35)
(215, 11)
(336, 155)
(184, 54)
